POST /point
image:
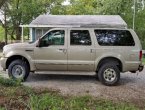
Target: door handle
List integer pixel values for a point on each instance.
(93, 50)
(63, 50)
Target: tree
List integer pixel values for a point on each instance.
(21, 12)
(83, 7)
(24, 11)
(108, 7)
(2, 3)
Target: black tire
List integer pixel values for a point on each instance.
(22, 67)
(104, 74)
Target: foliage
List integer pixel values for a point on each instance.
(19, 12)
(9, 82)
(1, 34)
(107, 7)
(2, 3)
(56, 102)
(23, 12)
(2, 108)
(143, 60)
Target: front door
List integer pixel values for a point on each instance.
(52, 54)
(81, 53)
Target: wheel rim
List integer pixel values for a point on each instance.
(18, 71)
(109, 75)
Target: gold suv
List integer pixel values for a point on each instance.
(104, 51)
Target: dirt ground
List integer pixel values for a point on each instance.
(131, 87)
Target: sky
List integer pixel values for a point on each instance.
(66, 2)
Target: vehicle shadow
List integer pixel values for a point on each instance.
(61, 77)
(77, 78)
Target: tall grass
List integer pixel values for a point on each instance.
(55, 102)
(9, 82)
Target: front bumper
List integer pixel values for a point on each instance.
(140, 68)
(3, 63)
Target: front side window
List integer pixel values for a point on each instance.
(80, 37)
(55, 37)
(114, 38)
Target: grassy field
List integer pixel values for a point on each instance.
(16, 96)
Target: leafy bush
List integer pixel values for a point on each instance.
(141, 34)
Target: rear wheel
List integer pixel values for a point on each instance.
(18, 69)
(109, 74)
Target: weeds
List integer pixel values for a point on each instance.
(55, 102)
(9, 82)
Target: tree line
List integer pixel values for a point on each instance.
(19, 12)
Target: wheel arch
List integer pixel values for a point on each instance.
(16, 57)
(112, 59)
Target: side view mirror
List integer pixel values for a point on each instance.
(42, 43)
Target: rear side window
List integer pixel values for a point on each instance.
(114, 38)
(80, 37)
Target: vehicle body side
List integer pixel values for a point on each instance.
(75, 58)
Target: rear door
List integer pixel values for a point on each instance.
(81, 52)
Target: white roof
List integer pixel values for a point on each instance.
(95, 21)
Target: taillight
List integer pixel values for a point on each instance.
(140, 55)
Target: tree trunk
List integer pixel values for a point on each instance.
(18, 33)
(6, 30)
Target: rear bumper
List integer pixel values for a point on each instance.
(140, 68)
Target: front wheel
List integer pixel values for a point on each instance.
(18, 69)
(109, 74)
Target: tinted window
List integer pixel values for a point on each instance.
(114, 38)
(80, 37)
(55, 37)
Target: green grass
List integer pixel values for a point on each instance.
(9, 82)
(17, 96)
(1, 33)
(143, 60)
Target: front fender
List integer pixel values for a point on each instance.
(23, 54)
